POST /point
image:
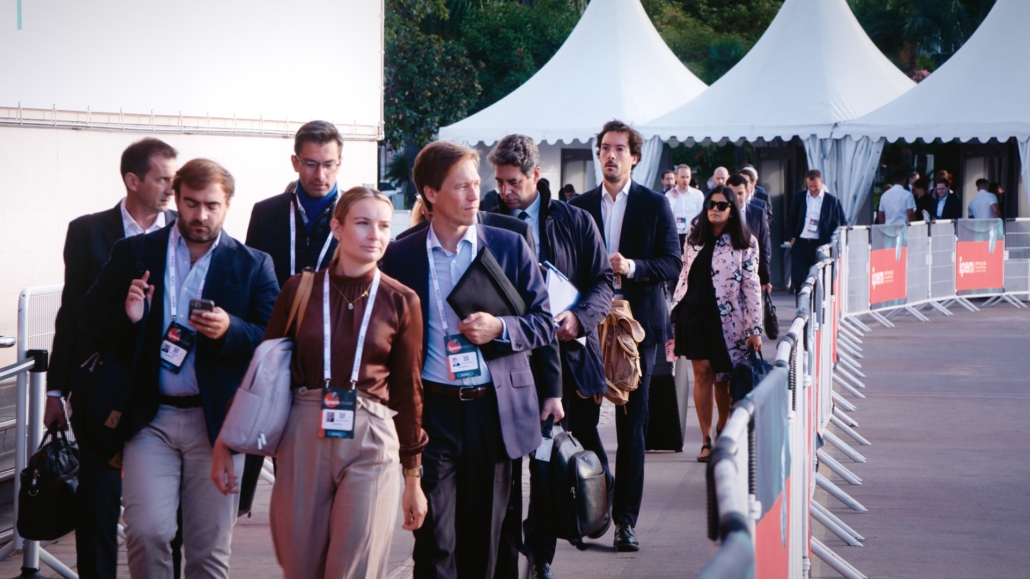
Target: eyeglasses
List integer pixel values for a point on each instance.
(720, 205)
(312, 166)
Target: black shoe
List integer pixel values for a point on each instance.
(625, 539)
(541, 571)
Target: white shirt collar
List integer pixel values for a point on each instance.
(132, 228)
(470, 236)
(624, 192)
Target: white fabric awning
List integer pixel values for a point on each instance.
(979, 93)
(814, 67)
(613, 65)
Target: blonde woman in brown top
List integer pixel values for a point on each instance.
(334, 503)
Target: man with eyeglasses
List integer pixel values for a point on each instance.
(293, 227)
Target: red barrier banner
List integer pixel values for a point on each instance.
(979, 256)
(888, 265)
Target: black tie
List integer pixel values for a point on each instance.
(523, 215)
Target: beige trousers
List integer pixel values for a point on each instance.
(335, 501)
(167, 462)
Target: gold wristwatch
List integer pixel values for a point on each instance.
(415, 472)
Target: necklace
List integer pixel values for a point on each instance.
(350, 304)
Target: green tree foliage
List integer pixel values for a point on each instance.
(430, 81)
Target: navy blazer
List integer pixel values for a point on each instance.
(831, 216)
(952, 207)
(572, 244)
(649, 238)
(86, 249)
(269, 232)
(407, 261)
(756, 222)
(240, 280)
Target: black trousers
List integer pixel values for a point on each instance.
(97, 509)
(631, 430)
(466, 479)
(802, 258)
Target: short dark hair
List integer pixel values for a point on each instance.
(636, 141)
(942, 181)
(434, 162)
(899, 177)
(995, 188)
(738, 180)
(814, 174)
(198, 174)
(136, 158)
(982, 183)
(668, 172)
(944, 174)
(567, 188)
(320, 132)
(921, 183)
(517, 151)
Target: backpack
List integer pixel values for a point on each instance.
(261, 406)
(569, 487)
(619, 335)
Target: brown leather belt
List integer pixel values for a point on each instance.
(464, 394)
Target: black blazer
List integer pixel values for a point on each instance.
(572, 244)
(831, 216)
(756, 222)
(269, 232)
(87, 247)
(763, 196)
(240, 280)
(952, 207)
(649, 238)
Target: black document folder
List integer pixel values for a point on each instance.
(485, 288)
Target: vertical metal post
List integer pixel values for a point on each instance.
(37, 378)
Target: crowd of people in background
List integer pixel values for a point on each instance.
(912, 198)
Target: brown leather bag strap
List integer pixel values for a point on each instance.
(300, 301)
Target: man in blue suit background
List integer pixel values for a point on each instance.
(487, 414)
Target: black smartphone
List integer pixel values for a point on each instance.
(201, 306)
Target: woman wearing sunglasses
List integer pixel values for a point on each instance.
(717, 305)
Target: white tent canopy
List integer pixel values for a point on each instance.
(813, 68)
(614, 65)
(980, 93)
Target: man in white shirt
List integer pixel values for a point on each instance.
(985, 204)
(897, 205)
(147, 167)
(685, 201)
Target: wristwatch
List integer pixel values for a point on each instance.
(415, 472)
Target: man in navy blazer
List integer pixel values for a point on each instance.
(190, 366)
(754, 214)
(945, 204)
(480, 418)
(639, 232)
(814, 216)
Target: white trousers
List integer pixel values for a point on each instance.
(167, 462)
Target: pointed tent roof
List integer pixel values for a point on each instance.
(958, 101)
(613, 65)
(814, 66)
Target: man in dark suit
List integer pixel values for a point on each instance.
(487, 414)
(754, 214)
(814, 216)
(758, 192)
(491, 199)
(945, 205)
(643, 248)
(293, 227)
(147, 167)
(191, 363)
(569, 241)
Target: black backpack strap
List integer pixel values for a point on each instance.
(137, 244)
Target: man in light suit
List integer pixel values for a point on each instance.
(639, 232)
(487, 414)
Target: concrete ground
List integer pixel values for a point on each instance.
(945, 481)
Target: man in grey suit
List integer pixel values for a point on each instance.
(481, 409)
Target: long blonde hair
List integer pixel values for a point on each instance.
(349, 198)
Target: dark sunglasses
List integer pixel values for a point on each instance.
(720, 205)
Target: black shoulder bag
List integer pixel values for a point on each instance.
(46, 501)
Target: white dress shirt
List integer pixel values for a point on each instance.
(895, 203)
(132, 228)
(686, 205)
(613, 211)
(814, 209)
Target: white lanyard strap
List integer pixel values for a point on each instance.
(293, 237)
(327, 330)
(436, 283)
(173, 291)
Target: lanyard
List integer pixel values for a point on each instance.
(293, 236)
(327, 331)
(436, 283)
(173, 295)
